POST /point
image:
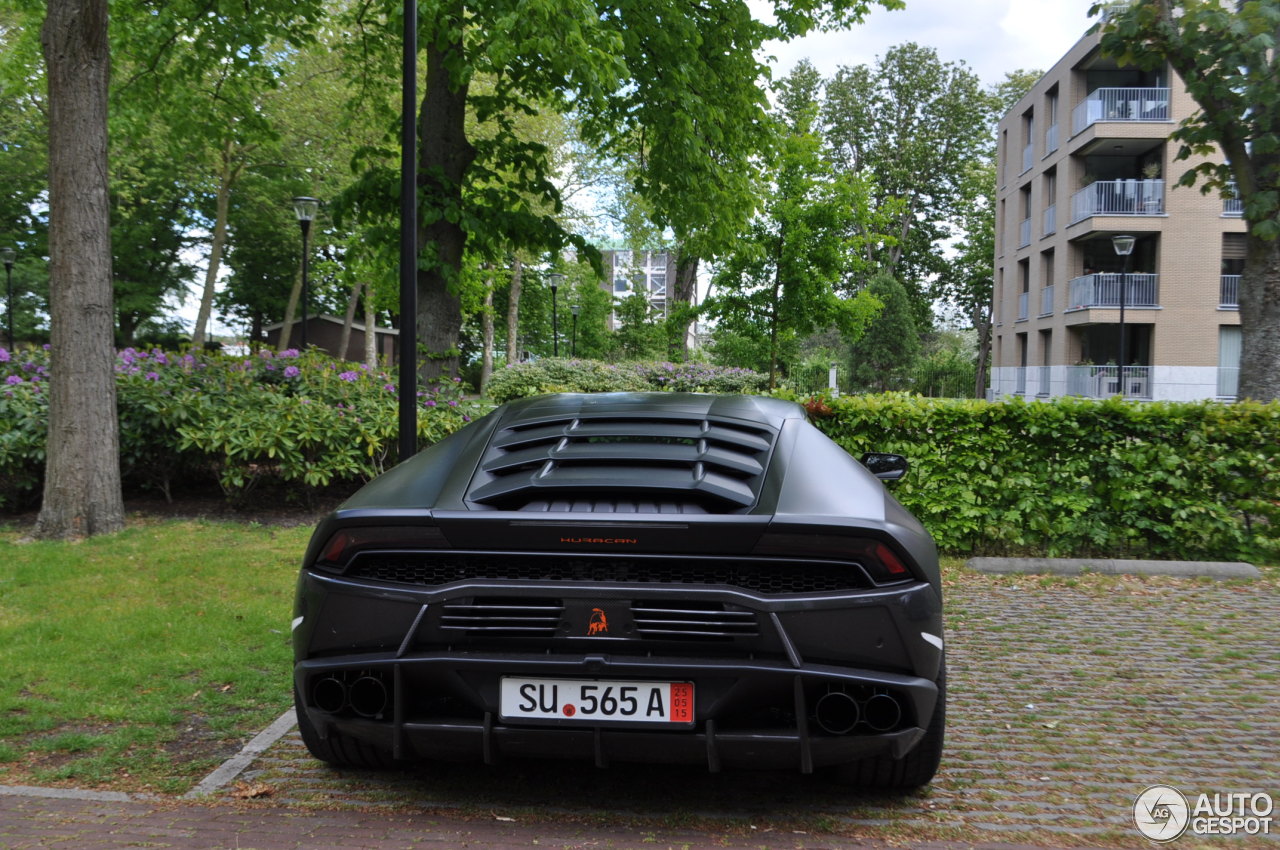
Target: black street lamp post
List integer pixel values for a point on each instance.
(8, 255)
(1123, 246)
(574, 309)
(556, 280)
(306, 210)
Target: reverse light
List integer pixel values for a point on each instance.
(346, 543)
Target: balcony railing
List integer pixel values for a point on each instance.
(1105, 381)
(1042, 380)
(1024, 233)
(1028, 154)
(1114, 104)
(1118, 197)
(1022, 305)
(1046, 301)
(1050, 219)
(1051, 139)
(1228, 381)
(1020, 380)
(1229, 291)
(1103, 290)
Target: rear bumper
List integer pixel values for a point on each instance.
(445, 706)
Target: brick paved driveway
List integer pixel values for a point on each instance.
(1068, 698)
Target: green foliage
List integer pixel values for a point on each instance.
(885, 355)
(308, 421)
(590, 376)
(946, 369)
(1078, 477)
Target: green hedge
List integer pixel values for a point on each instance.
(306, 421)
(1075, 477)
(538, 377)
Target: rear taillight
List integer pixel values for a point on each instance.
(346, 543)
(881, 561)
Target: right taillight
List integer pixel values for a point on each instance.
(880, 560)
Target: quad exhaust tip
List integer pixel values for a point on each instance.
(366, 696)
(838, 713)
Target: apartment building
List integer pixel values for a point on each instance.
(1084, 157)
(628, 272)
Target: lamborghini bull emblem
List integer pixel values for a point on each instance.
(598, 624)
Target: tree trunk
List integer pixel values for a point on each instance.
(291, 310)
(82, 466)
(1260, 321)
(226, 177)
(983, 327)
(345, 339)
(486, 326)
(686, 292)
(444, 158)
(370, 329)
(513, 311)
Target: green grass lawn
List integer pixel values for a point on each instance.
(141, 660)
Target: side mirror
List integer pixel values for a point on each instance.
(886, 467)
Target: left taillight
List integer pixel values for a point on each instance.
(346, 543)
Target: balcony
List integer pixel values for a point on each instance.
(1046, 301)
(1105, 381)
(1022, 305)
(1233, 207)
(1229, 292)
(1051, 139)
(1042, 383)
(1115, 104)
(1020, 380)
(1028, 155)
(1050, 219)
(1024, 233)
(1118, 197)
(1104, 290)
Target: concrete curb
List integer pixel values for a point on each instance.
(1113, 566)
(232, 767)
(70, 794)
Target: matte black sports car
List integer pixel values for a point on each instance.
(652, 577)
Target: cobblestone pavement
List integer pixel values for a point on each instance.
(1068, 698)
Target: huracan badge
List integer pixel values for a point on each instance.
(598, 624)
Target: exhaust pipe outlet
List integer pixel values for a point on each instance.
(837, 713)
(329, 694)
(882, 713)
(369, 697)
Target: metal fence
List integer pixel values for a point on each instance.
(1229, 291)
(1118, 197)
(1105, 381)
(1103, 290)
(1121, 104)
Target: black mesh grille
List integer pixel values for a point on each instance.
(767, 576)
(708, 464)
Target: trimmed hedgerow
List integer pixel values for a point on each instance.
(305, 420)
(521, 380)
(1076, 477)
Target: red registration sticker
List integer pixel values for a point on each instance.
(682, 702)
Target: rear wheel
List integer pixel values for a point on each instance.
(337, 749)
(914, 770)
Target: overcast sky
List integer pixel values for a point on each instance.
(991, 36)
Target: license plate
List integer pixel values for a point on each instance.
(592, 702)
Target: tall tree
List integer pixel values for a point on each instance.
(1228, 56)
(913, 124)
(883, 358)
(82, 494)
(676, 78)
(786, 271)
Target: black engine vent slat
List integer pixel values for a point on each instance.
(710, 464)
(765, 576)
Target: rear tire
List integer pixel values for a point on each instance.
(914, 770)
(337, 749)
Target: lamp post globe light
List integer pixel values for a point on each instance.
(1123, 246)
(573, 348)
(8, 255)
(305, 208)
(555, 280)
